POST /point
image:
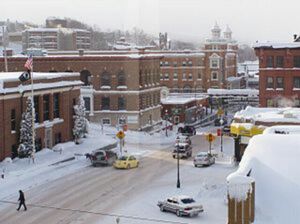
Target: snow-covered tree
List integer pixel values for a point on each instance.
(26, 147)
(80, 122)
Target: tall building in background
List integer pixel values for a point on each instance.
(56, 39)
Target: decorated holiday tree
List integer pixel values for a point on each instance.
(26, 147)
(80, 122)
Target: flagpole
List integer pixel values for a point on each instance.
(33, 114)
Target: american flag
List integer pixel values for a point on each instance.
(29, 63)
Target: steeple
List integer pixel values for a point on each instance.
(228, 33)
(216, 31)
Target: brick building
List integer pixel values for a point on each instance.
(54, 97)
(279, 74)
(197, 71)
(119, 87)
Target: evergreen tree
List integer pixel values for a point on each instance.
(26, 147)
(81, 123)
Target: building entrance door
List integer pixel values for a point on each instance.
(48, 138)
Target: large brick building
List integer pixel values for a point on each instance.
(279, 74)
(54, 97)
(197, 71)
(119, 87)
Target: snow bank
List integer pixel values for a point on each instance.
(274, 163)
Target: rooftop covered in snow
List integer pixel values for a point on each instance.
(277, 45)
(248, 92)
(14, 76)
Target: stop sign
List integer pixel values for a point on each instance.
(219, 132)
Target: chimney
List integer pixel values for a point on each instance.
(295, 37)
(81, 52)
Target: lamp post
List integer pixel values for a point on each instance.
(166, 118)
(221, 123)
(178, 179)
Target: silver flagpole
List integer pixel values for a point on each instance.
(33, 114)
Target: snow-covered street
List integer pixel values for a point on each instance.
(76, 192)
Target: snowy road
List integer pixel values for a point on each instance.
(83, 196)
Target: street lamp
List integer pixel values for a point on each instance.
(166, 118)
(178, 179)
(221, 123)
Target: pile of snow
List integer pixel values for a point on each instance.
(269, 114)
(273, 160)
(239, 186)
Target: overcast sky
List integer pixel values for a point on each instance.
(250, 20)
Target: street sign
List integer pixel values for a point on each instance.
(220, 112)
(120, 135)
(219, 131)
(210, 137)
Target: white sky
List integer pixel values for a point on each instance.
(250, 20)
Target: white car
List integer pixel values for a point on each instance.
(181, 206)
(204, 159)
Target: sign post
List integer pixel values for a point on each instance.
(210, 138)
(120, 135)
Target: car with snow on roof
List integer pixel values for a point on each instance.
(183, 150)
(181, 205)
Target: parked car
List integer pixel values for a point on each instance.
(183, 139)
(126, 162)
(103, 157)
(181, 206)
(184, 150)
(187, 130)
(218, 123)
(204, 159)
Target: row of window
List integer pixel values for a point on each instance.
(279, 61)
(148, 78)
(149, 100)
(175, 63)
(106, 79)
(214, 76)
(278, 82)
(46, 109)
(105, 103)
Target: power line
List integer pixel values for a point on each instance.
(98, 213)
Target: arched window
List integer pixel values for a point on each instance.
(121, 79)
(187, 89)
(105, 79)
(86, 77)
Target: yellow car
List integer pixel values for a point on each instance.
(126, 162)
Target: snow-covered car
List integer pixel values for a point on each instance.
(183, 139)
(187, 130)
(181, 205)
(103, 157)
(182, 150)
(204, 159)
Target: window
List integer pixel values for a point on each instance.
(183, 76)
(167, 76)
(184, 63)
(121, 79)
(214, 75)
(105, 79)
(56, 105)
(214, 47)
(166, 63)
(87, 103)
(190, 63)
(214, 63)
(199, 75)
(57, 138)
(121, 103)
(106, 121)
(270, 61)
(279, 82)
(36, 108)
(297, 61)
(161, 63)
(105, 104)
(175, 76)
(46, 111)
(270, 82)
(175, 63)
(296, 82)
(13, 120)
(190, 76)
(161, 77)
(187, 89)
(279, 61)
(270, 103)
(122, 120)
